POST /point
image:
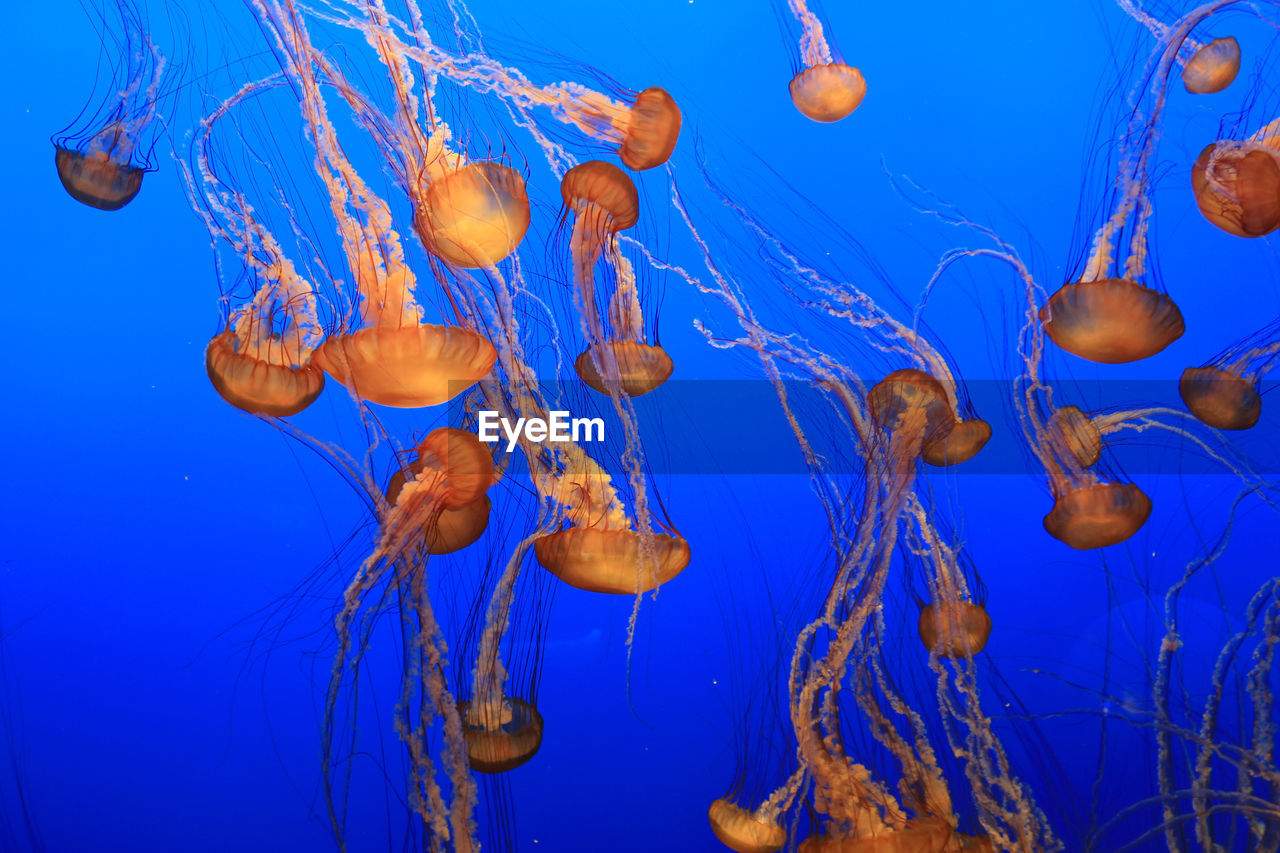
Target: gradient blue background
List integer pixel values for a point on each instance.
(145, 524)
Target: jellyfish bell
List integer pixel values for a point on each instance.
(500, 739)
(1220, 399)
(959, 445)
(1213, 67)
(910, 396)
(953, 629)
(1097, 516)
(604, 186)
(1237, 187)
(407, 367)
(1111, 321)
(476, 215)
(97, 178)
(743, 832)
(257, 386)
(1074, 432)
(653, 131)
(640, 367)
(828, 92)
(621, 562)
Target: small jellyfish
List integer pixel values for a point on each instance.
(604, 201)
(102, 157)
(744, 832)
(503, 740)
(645, 131)
(476, 215)
(1237, 186)
(961, 444)
(829, 92)
(1220, 399)
(911, 399)
(1224, 392)
(953, 629)
(1206, 68)
(621, 562)
(1076, 433)
(1212, 67)
(101, 176)
(824, 89)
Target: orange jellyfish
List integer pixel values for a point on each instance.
(1207, 68)
(463, 510)
(1212, 67)
(744, 832)
(620, 562)
(644, 131)
(1224, 392)
(1109, 315)
(1237, 184)
(947, 439)
(102, 157)
(261, 361)
(474, 215)
(825, 89)
(954, 628)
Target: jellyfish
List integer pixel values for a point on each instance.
(1207, 68)
(644, 131)
(261, 361)
(1224, 392)
(910, 392)
(1212, 67)
(1237, 184)
(463, 506)
(1109, 315)
(952, 629)
(825, 89)
(475, 215)
(102, 156)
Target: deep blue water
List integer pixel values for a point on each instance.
(171, 565)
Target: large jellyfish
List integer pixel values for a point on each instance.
(1237, 184)
(103, 154)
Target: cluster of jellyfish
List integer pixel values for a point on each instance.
(462, 317)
